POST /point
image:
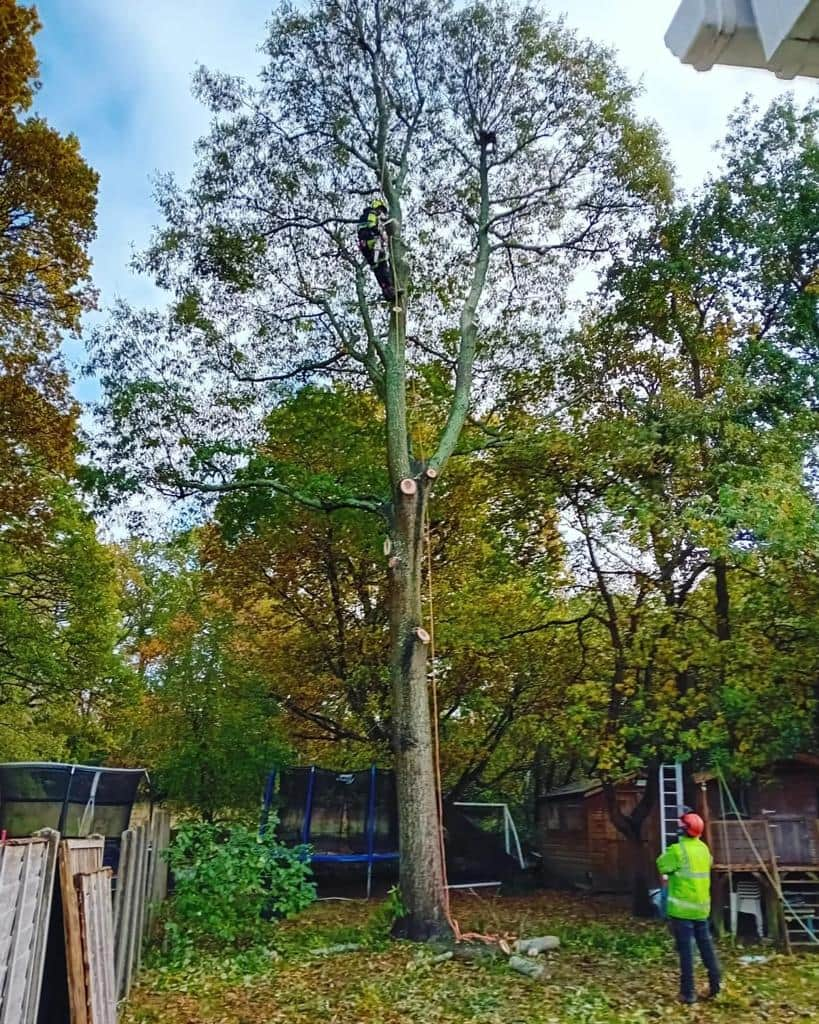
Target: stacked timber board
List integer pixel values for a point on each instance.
(78, 857)
(96, 917)
(27, 869)
(100, 938)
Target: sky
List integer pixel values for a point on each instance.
(117, 73)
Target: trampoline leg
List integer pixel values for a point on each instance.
(369, 878)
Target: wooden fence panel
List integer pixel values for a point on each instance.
(26, 887)
(738, 843)
(158, 883)
(96, 915)
(142, 883)
(77, 856)
(35, 981)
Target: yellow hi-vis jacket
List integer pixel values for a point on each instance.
(688, 866)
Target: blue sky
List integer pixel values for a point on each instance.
(118, 72)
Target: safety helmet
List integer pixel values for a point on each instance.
(692, 824)
(378, 203)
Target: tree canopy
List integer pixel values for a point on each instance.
(603, 513)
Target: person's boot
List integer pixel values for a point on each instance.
(688, 1000)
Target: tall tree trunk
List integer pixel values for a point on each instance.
(641, 875)
(723, 601)
(421, 869)
(631, 826)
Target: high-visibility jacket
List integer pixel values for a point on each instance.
(688, 866)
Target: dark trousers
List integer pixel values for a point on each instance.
(378, 261)
(685, 933)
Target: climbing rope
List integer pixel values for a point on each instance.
(725, 844)
(460, 936)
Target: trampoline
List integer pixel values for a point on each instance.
(344, 817)
(352, 818)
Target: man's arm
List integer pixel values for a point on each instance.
(668, 862)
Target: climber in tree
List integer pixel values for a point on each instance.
(372, 241)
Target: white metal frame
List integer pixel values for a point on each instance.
(510, 832)
(781, 36)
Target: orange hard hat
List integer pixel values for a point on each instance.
(693, 824)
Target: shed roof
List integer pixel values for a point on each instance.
(582, 787)
(812, 760)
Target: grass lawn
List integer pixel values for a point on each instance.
(610, 969)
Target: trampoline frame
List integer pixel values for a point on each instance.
(370, 858)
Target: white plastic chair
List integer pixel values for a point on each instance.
(747, 899)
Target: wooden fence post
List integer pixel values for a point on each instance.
(94, 898)
(143, 899)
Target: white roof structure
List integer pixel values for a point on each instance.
(781, 36)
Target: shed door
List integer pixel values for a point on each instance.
(794, 839)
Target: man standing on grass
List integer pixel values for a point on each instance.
(687, 865)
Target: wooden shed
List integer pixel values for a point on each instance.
(768, 829)
(782, 800)
(579, 844)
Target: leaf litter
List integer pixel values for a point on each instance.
(610, 969)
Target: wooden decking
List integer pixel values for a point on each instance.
(782, 852)
(787, 841)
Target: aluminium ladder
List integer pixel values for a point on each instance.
(671, 802)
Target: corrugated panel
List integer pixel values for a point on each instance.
(98, 945)
(26, 884)
(132, 853)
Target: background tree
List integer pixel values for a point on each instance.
(507, 152)
(47, 209)
(59, 678)
(61, 682)
(307, 590)
(47, 202)
(204, 723)
(681, 469)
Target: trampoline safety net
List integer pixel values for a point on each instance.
(351, 817)
(340, 814)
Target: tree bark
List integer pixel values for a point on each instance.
(422, 886)
(631, 826)
(640, 900)
(723, 601)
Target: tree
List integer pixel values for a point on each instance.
(58, 617)
(47, 203)
(47, 209)
(508, 154)
(205, 723)
(61, 683)
(682, 469)
(307, 591)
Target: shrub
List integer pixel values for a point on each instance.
(226, 879)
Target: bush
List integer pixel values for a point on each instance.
(226, 879)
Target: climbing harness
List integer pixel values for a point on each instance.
(374, 246)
